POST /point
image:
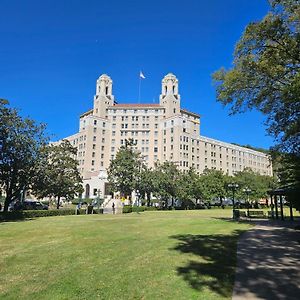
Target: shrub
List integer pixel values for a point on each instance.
(150, 208)
(138, 208)
(127, 209)
(27, 214)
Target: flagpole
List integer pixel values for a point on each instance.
(140, 79)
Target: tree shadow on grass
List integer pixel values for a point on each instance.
(214, 265)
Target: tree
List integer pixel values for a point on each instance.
(189, 189)
(146, 183)
(167, 175)
(266, 73)
(57, 173)
(213, 185)
(123, 172)
(258, 184)
(20, 142)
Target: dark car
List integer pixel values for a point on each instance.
(27, 205)
(34, 205)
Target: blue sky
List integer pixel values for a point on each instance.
(52, 52)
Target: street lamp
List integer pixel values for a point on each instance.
(233, 187)
(98, 199)
(247, 191)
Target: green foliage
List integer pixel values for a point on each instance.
(189, 188)
(150, 208)
(20, 142)
(265, 74)
(146, 183)
(27, 214)
(167, 178)
(123, 172)
(57, 174)
(213, 184)
(127, 209)
(258, 184)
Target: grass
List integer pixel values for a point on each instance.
(151, 255)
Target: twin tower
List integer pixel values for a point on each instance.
(169, 97)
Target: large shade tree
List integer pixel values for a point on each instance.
(20, 142)
(266, 76)
(124, 170)
(253, 185)
(57, 173)
(167, 181)
(266, 73)
(213, 185)
(146, 184)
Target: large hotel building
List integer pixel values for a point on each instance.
(161, 132)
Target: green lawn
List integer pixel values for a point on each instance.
(151, 255)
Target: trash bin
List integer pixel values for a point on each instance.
(236, 214)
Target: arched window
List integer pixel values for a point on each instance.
(106, 90)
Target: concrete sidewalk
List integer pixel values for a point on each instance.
(268, 262)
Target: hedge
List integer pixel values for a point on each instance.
(27, 214)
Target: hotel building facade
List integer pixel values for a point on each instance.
(161, 132)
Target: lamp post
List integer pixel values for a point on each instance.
(247, 191)
(98, 200)
(233, 187)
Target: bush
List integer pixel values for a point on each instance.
(138, 208)
(127, 209)
(150, 208)
(27, 214)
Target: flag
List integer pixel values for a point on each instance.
(142, 75)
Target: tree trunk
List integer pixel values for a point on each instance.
(6, 203)
(8, 199)
(58, 202)
(148, 199)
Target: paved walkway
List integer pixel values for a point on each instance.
(268, 265)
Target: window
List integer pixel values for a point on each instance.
(95, 122)
(93, 162)
(94, 138)
(95, 192)
(93, 154)
(94, 146)
(155, 149)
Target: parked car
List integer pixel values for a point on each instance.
(34, 205)
(27, 205)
